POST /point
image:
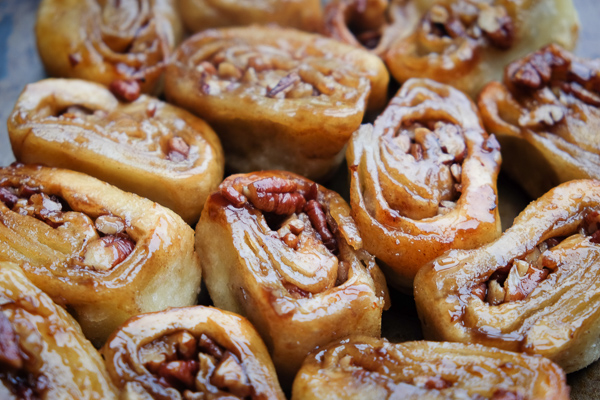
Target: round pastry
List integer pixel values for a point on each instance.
(423, 179)
(103, 254)
(277, 98)
(199, 15)
(190, 353)
(535, 290)
(369, 368)
(285, 253)
(546, 115)
(121, 43)
(467, 43)
(139, 147)
(43, 354)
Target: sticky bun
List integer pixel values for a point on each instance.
(139, 146)
(43, 354)
(198, 15)
(277, 98)
(467, 43)
(118, 43)
(369, 368)
(190, 353)
(423, 179)
(546, 115)
(103, 254)
(285, 252)
(535, 290)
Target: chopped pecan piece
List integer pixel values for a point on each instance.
(108, 251)
(177, 149)
(229, 375)
(176, 373)
(315, 213)
(10, 355)
(125, 90)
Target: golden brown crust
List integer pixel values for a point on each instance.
(277, 98)
(108, 40)
(546, 115)
(199, 15)
(369, 368)
(467, 43)
(423, 179)
(43, 353)
(298, 272)
(103, 253)
(138, 147)
(533, 290)
(191, 352)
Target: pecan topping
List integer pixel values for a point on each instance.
(108, 251)
(275, 195)
(125, 90)
(437, 382)
(233, 196)
(10, 355)
(291, 240)
(74, 59)
(8, 197)
(315, 213)
(284, 84)
(209, 346)
(497, 26)
(177, 149)
(230, 375)
(109, 224)
(177, 373)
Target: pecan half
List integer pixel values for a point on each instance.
(315, 213)
(275, 195)
(125, 90)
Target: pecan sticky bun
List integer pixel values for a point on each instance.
(423, 179)
(369, 368)
(139, 146)
(190, 353)
(285, 253)
(467, 43)
(277, 98)
(546, 115)
(121, 43)
(536, 289)
(43, 354)
(198, 15)
(102, 253)
(371, 24)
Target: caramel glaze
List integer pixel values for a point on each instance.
(191, 353)
(138, 146)
(361, 367)
(43, 354)
(86, 243)
(548, 307)
(299, 293)
(423, 179)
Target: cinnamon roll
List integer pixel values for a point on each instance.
(423, 179)
(121, 43)
(546, 115)
(369, 368)
(103, 254)
(277, 98)
(43, 354)
(138, 147)
(467, 43)
(535, 290)
(198, 15)
(190, 353)
(285, 253)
